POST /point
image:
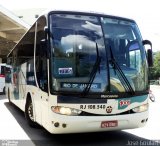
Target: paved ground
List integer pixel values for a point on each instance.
(152, 129)
(13, 127)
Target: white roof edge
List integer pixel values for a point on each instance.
(69, 10)
(85, 11)
(13, 17)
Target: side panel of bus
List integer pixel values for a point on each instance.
(2, 78)
(27, 82)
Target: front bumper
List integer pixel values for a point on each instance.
(78, 124)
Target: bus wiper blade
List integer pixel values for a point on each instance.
(126, 84)
(93, 73)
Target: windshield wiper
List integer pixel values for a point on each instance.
(125, 83)
(93, 73)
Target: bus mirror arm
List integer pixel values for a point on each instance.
(46, 31)
(47, 35)
(43, 42)
(149, 52)
(44, 47)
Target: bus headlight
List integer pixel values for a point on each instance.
(141, 108)
(65, 110)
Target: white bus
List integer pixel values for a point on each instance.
(2, 78)
(78, 72)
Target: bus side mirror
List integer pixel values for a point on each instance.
(44, 42)
(150, 57)
(149, 52)
(46, 30)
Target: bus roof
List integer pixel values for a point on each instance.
(85, 13)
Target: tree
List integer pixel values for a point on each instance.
(155, 70)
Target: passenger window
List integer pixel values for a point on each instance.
(26, 47)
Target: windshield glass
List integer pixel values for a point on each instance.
(79, 41)
(123, 40)
(75, 41)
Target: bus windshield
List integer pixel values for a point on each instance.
(83, 49)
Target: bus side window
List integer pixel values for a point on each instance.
(41, 59)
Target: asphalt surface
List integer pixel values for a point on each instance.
(15, 131)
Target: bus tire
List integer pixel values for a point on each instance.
(29, 114)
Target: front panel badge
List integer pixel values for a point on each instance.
(109, 109)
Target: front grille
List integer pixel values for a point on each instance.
(91, 114)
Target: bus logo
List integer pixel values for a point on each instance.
(109, 109)
(124, 103)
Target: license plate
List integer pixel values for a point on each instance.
(105, 124)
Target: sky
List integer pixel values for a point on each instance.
(145, 12)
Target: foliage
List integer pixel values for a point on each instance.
(155, 70)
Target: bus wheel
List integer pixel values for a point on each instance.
(29, 114)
